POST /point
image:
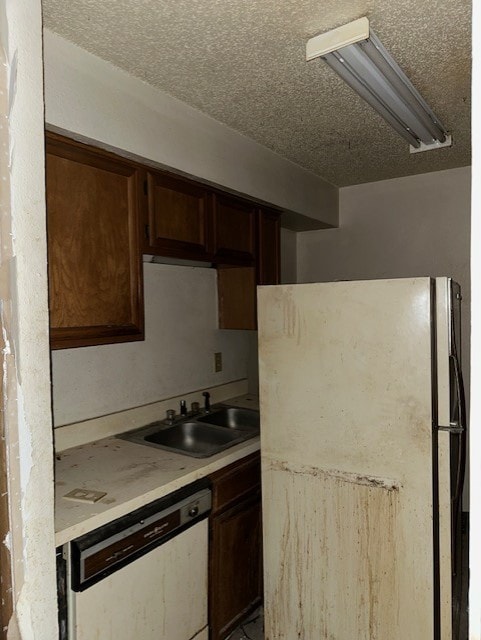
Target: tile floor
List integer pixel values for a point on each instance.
(252, 629)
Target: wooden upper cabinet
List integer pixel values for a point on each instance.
(178, 219)
(95, 268)
(236, 290)
(269, 247)
(234, 230)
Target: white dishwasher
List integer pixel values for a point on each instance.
(141, 577)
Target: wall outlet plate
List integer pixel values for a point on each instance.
(218, 362)
(85, 495)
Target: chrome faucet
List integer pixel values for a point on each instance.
(171, 417)
(183, 408)
(206, 395)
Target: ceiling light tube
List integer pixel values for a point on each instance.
(386, 63)
(358, 56)
(382, 89)
(367, 95)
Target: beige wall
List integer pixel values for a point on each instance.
(177, 356)
(418, 225)
(24, 320)
(413, 226)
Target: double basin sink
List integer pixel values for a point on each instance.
(200, 436)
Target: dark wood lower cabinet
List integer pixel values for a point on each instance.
(235, 562)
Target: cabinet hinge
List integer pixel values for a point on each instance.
(147, 231)
(145, 187)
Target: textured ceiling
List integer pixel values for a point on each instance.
(243, 62)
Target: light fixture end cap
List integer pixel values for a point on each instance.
(335, 39)
(434, 145)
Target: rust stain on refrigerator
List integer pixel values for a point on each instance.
(328, 556)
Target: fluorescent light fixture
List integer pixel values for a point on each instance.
(355, 53)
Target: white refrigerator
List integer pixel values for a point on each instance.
(362, 444)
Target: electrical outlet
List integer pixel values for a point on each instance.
(217, 362)
(85, 495)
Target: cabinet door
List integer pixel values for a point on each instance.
(234, 231)
(268, 234)
(236, 290)
(235, 574)
(236, 482)
(95, 281)
(178, 218)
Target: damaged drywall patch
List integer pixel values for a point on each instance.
(7, 541)
(12, 92)
(12, 82)
(6, 251)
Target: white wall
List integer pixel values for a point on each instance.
(25, 398)
(177, 356)
(413, 226)
(90, 97)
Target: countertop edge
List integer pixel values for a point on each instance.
(213, 464)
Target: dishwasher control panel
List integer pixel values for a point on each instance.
(107, 549)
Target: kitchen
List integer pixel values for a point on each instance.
(70, 382)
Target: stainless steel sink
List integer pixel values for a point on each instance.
(196, 439)
(233, 418)
(199, 437)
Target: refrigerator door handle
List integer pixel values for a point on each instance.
(456, 426)
(453, 428)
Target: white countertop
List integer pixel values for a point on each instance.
(131, 475)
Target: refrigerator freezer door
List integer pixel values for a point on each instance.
(347, 460)
(444, 400)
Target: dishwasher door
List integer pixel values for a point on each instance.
(144, 576)
(160, 596)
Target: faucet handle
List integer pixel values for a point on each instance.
(195, 407)
(170, 417)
